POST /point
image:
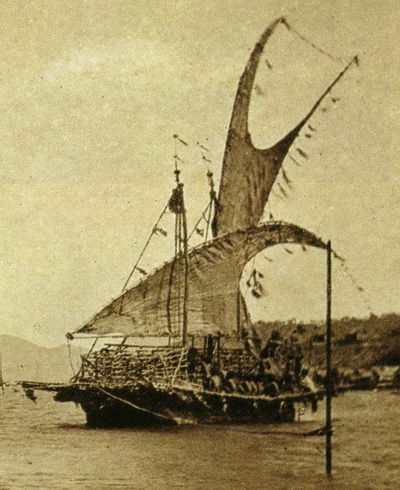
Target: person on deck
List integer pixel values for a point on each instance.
(252, 345)
(272, 345)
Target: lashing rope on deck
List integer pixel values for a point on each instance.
(141, 409)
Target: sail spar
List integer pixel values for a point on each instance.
(248, 173)
(153, 306)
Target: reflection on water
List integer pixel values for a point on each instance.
(46, 445)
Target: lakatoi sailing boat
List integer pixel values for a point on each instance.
(207, 364)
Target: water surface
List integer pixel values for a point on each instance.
(46, 445)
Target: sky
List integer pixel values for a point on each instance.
(92, 92)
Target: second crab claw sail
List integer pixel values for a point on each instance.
(248, 173)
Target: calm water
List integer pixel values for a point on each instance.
(46, 445)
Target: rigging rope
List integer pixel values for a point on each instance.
(248, 280)
(354, 282)
(141, 409)
(310, 43)
(144, 249)
(70, 358)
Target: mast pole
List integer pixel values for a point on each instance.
(186, 279)
(212, 201)
(328, 426)
(182, 226)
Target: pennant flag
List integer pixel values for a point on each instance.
(271, 217)
(286, 178)
(257, 291)
(142, 271)
(159, 231)
(180, 140)
(302, 153)
(288, 251)
(199, 231)
(258, 90)
(339, 258)
(202, 147)
(295, 161)
(180, 159)
(282, 190)
(268, 64)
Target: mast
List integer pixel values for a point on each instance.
(328, 427)
(186, 277)
(213, 198)
(181, 238)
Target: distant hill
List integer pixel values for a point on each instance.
(23, 360)
(357, 342)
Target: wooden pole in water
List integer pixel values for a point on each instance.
(328, 426)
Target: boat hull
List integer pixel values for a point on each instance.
(147, 405)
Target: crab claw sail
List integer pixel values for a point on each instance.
(248, 173)
(154, 306)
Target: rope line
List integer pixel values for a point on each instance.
(70, 357)
(200, 219)
(141, 409)
(144, 249)
(247, 286)
(310, 43)
(349, 274)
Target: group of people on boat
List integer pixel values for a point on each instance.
(274, 368)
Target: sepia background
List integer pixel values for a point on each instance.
(91, 94)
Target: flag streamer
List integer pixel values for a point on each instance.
(302, 153)
(258, 90)
(159, 231)
(203, 147)
(285, 194)
(180, 140)
(286, 178)
(295, 161)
